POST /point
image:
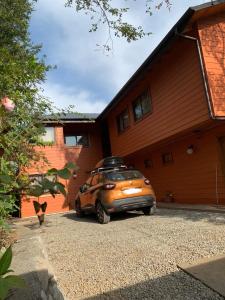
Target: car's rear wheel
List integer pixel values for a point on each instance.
(103, 217)
(79, 212)
(149, 210)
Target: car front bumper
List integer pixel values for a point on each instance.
(131, 203)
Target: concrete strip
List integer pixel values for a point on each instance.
(210, 271)
(30, 261)
(198, 208)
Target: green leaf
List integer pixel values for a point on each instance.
(37, 191)
(64, 173)
(52, 171)
(70, 165)
(47, 184)
(15, 281)
(61, 188)
(6, 179)
(4, 288)
(9, 271)
(5, 261)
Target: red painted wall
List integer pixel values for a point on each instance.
(194, 179)
(212, 37)
(178, 100)
(58, 155)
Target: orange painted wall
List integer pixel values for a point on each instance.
(58, 155)
(178, 100)
(191, 178)
(212, 37)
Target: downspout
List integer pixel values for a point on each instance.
(204, 76)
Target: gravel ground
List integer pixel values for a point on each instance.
(134, 256)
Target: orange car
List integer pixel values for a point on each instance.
(114, 190)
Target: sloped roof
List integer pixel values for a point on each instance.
(72, 117)
(79, 116)
(177, 28)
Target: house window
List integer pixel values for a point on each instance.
(148, 163)
(167, 158)
(37, 179)
(142, 106)
(76, 140)
(123, 121)
(49, 135)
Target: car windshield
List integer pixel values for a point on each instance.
(123, 175)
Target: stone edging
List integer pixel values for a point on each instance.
(50, 290)
(30, 261)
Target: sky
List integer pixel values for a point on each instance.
(85, 76)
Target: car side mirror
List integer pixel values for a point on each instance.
(83, 188)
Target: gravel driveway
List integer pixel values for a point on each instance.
(134, 256)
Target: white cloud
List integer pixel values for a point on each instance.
(84, 101)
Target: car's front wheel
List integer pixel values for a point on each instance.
(149, 210)
(79, 212)
(103, 217)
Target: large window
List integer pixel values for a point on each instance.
(123, 121)
(142, 105)
(49, 135)
(76, 140)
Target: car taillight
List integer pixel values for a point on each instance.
(147, 181)
(109, 186)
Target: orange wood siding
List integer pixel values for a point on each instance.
(195, 178)
(178, 101)
(212, 37)
(58, 155)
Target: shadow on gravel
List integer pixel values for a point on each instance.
(195, 216)
(91, 218)
(34, 225)
(38, 286)
(177, 285)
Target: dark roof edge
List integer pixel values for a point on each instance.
(176, 28)
(71, 118)
(207, 4)
(64, 121)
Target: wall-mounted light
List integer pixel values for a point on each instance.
(74, 174)
(190, 149)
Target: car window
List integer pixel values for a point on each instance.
(94, 180)
(124, 175)
(100, 178)
(88, 182)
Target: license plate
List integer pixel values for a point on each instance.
(132, 191)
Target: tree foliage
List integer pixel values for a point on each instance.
(113, 15)
(22, 107)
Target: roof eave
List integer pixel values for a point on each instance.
(67, 121)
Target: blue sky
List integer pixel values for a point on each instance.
(86, 77)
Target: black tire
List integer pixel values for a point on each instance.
(79, 212)
(103, 217)
(149, 210)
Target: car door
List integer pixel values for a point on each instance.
(85, 194)
(94, 186)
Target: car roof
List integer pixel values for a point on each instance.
(119, 170)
